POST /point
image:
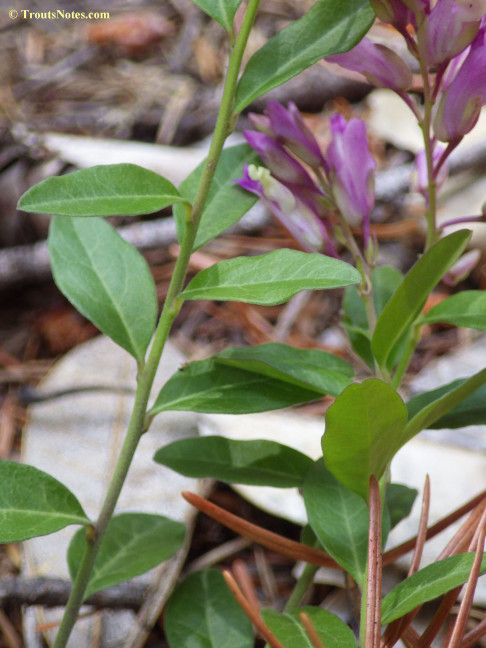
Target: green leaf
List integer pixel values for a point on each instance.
(133, 544)
(226, 202)
(399, 499)
(427, 584)
(339, 518)
(385, 280)
(471, 411)
(111, 190)
(32, 503)
(447, 400)
(289, 630)
(364, 430)
(270, 279)
(202, 613)
(205, 386)
(106, 279)
(408, 300)
(257, 463)
(222, 11)
(328, 28)
(467, 308)
(307, 368)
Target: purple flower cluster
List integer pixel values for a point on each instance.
(449, 38)
(341, 180)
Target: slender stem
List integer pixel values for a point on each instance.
(301, 587)
(406, 357)
(430, 214)
(137, 425)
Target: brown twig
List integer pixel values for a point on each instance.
(272, 541)
(373, 594)
(310, 630)
(252, 613)
(398, 627)
(397, 552)
(243, 579)
(463, 616)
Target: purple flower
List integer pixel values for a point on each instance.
(449, 28)
(462, 268)
(351, 167)
(288, 128)
(282, 165)
(286, 205)
(379, 64)
(463, 93)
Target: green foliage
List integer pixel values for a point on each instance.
(202, 613)
(133, 544)
(32, 503)
(258, 463)
(328, 27)
(471, 411)
(226, 202)
(427, 584)
(364, 430)
(467, 308)
(270, 279)
(407, 302)
(288, 628)
(106, 279)
(206, 386)
(111, 190)
(222, 11)
(308, 368)
(385, 281)
(339, 519)
(399, 500)
(447, 400)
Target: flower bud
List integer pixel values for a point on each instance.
(462, 268)
(351, 168)
(450, 27)
(380, 65)
(463, 93)
(291, 211)
(282, 165)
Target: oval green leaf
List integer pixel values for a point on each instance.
(467, 308)
(106, 279)
(364, 430)
(270, 279)
(226, 202)
(222, 11)
(256, 463)
(205, 386)
(408, 300)
(202, 613)
(427, 584)
(329, 27)
(32, 503)
(111, 190)
(133, 544)
(339, 519)
(307, 368)
(288, 628)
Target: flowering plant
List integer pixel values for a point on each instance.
(325, 200)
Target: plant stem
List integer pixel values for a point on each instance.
(301, 587)
(145, 378)
(430, 214)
